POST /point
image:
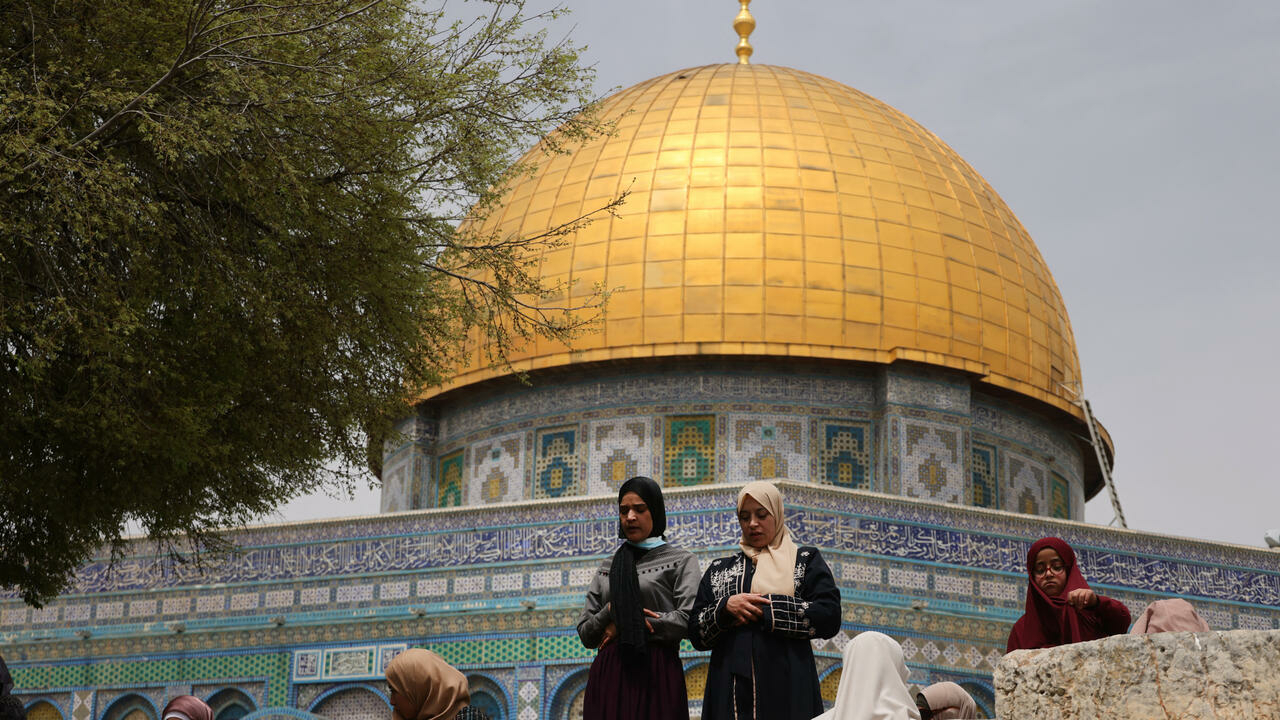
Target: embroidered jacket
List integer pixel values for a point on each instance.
(764, 669)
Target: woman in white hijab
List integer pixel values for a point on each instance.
(873, 682)
(756, 611)
(873, 686)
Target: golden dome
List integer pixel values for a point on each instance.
(776, 212)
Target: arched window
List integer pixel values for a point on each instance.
(488, 696)
(566, 704)
(353, 703)
(131, 707)
(231, 704)
(983, 696)
(43, 710)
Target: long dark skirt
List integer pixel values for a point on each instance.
(614, 693)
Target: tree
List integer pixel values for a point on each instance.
(231, 252)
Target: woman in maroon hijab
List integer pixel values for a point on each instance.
(1061, 609)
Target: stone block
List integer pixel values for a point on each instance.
(1165, 676)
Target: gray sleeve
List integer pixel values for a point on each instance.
(673, 626)
(597, 613)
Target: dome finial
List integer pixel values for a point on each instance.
(743, 25)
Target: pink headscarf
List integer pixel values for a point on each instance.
(187, 707)
(1172, 615)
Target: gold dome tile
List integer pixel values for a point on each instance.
(773, 211)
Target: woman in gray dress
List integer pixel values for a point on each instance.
(636, 613)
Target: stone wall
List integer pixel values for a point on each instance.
(1187, 676)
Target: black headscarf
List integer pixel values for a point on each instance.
(624, 584)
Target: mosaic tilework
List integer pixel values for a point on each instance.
(689, 450)
(528, 692)
(736, 383)
(620, 449)
(306, 665)
(488, 694)
(566, 690)
(408, 465)
(842, 454)
(486, 702)
(695, 681)
(496, 473)
(922, 388)
(353, 704)
(350, 662)
(157, 678)
(764, 447)
(578, 531)
(449, 493)
(932, 461)
(916, 397)
(829, 685)
(1024, 485)
(137, 609)
(984, 476)
(131, 713)
(82, 704)
(43, 711)
(306, 696)
(211, 603)
(557, 468)
(895, 534)
(1006, 422)
(1059, 497)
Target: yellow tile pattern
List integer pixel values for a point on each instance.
(777, 212)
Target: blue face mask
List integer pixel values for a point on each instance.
(648, 543)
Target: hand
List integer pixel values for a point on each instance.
(745, 607)
(651, 614)
(610, 632)
(1082, 598)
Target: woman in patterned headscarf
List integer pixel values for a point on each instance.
(636, 613)
(757, 611)
(1061, 607)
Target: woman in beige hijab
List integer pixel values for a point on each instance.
(946, 701)
(756, 611)
(425, 687)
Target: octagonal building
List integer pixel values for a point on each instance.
(804, 285)
(803, 282)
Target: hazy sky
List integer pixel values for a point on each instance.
(1138, 142)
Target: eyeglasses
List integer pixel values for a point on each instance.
(1042, 570)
